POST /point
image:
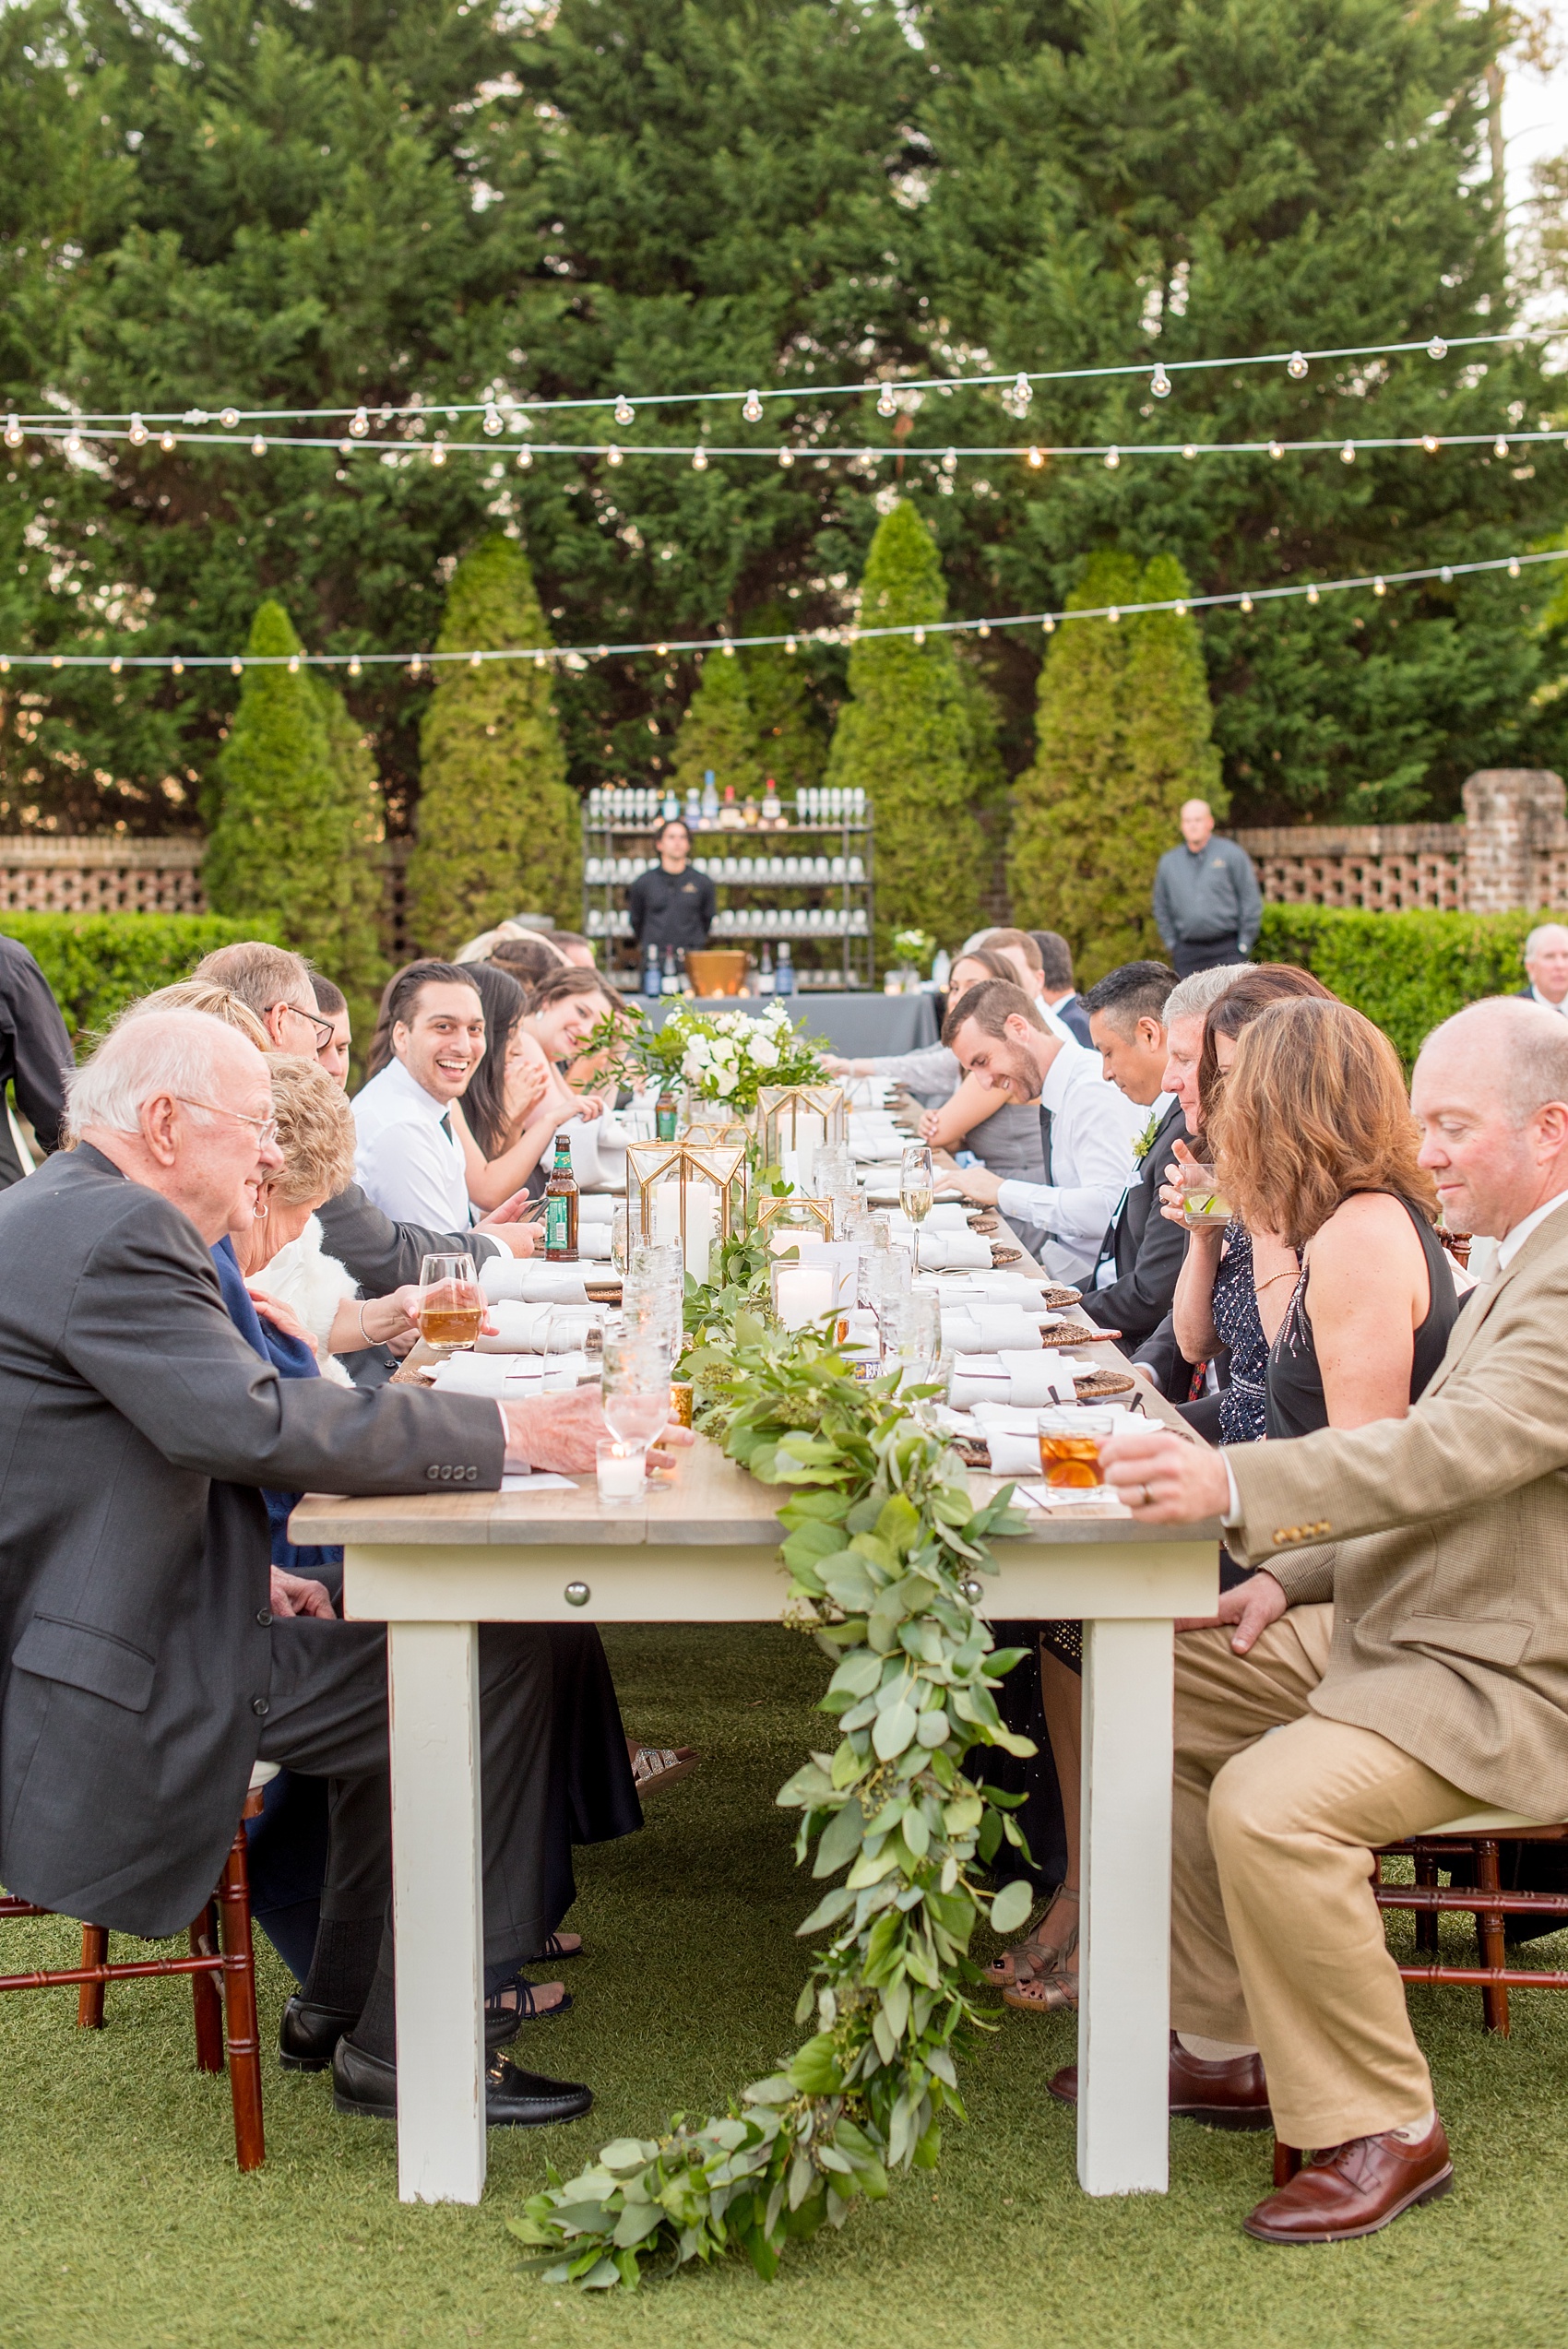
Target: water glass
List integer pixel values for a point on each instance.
(911, 1334)
(636, 1383)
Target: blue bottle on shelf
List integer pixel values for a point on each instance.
(652, 976)
(784, 975)
(709, 797)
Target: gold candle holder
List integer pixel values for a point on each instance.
(685, 1192)
(785, 1221)
(796, 1120)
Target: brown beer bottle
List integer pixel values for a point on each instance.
(561, 1207)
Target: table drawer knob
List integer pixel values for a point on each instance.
(578, 1594)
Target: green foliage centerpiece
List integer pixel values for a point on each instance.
(885, 1550)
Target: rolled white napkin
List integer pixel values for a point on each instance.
(982, 1329)
(520, 1280)
(1013, 1455)
(1038, 1379)
(535, 1329)
(954, 1251)
(594, 1241)
(598, 1207)
(948, 1215)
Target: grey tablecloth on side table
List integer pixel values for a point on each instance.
(860, 1027)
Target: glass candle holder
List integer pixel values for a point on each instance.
(621, 1471)
(802, 1294)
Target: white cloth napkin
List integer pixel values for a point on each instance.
(523, 1280)
(1072, 1496)
(597, 1208)
(989, 1329)
(535, 1480)
(954, 1250)
(507, 1375)
(984, 1378)
(948, 1215)
(535, 1329)
(595, 1240)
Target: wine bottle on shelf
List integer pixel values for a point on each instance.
(669, 984)
(671, 806)
(751, 814)
(560, 1206)
(650, 971)
(772, 806)
(765, 971)
(683, 984)
(709, 796)
(784, 977)
(730, 816)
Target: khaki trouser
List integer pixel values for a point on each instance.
(1276, 1939)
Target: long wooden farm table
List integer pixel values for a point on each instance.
(434, 1568)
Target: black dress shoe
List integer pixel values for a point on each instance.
(307, 2034)
(367, 2087)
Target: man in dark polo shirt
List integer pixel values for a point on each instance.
(670, 904)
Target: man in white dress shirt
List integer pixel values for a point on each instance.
(1001, 1037)
(1546, 967)
(409, 1161)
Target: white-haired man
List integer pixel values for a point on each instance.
(153, 1655)
(1546, 967)
(1407, 1649)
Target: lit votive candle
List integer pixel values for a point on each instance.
(802, 1293)
(622, 1471)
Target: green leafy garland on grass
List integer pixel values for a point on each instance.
(884, 1549)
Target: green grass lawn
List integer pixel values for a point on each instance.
(123, 2224)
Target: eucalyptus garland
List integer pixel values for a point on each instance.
(885, 1552)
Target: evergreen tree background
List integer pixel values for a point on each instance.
(719, 731)
(498, 828)
(1124, 734)
(912, 735)
(296, 817)
(275, 205)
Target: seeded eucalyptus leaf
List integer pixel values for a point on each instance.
(1010, 1909)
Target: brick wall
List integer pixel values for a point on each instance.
(45, 873)
(1510, 851)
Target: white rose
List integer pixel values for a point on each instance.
(723, 1082)
(698, 1050)
(763, 1054)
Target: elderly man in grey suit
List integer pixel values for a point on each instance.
(151, 1660)
(1407, 1646)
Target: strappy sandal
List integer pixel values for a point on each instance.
(656, 1767)
(1003, 1971)
(1050, 1986)
(556, 1947)
(524, 2007)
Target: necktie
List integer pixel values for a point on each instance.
(446, 1123)
(1045, 1141)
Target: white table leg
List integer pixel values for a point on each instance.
(437, 1909)
(1123, 1960)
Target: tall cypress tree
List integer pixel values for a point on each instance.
(498, 826)
(912, 736)
(719, 731)
(297, 829)
(1124, 735)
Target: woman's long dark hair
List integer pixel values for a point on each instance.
(485, 1102)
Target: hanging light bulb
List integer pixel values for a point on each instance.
(1499, 447)
(476, 661)
(176, 666)
(137, 434)
(1514, 566)
(885, 403)
(1023, 391)
(5, 665)
(359, 423)
(602, 653)
(1159, 382)
(229, 419)
(355, 665)
(1246, 603)
(790, 643)
(492, 424)
(699, 461)
(115, 666)
(166, 441)
(438, 453)
(1181, 608)
(293, 664)
(1276, 448)
(1446, 576)
(14, 432)
(919, 635)
(1113, 458)
(58, 662)
(415, 665)
(1037, 458)
(1437, 348)
(1113, 614)
(1430, 443)
(950, 461)
(728, 649)
(258, 446)
(623, 410)
(984, 628)
(750, 407)
(1049, 623)
(786, 458)
(1311, 595)
(525, 458)
(1380, 587)
(345, 448)
(612, 455)
(1295, 366)
(73, 442)
(541, 661)
(1348, 453)
(1189, 450)
(236, 668)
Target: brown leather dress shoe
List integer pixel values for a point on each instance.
(1223, 2095)
(1353, 2190)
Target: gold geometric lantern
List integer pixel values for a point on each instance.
(693, 1192)
(788, 1220)
(798, 1120)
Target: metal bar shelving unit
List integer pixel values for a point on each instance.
(765, 891)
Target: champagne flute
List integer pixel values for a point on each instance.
(916, 1181)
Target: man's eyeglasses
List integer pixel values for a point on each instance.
(266, 1127)
(323, 1027)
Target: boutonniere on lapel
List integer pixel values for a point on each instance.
(1144, 1142)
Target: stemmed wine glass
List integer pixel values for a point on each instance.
(917, 1179)
(636, 1383)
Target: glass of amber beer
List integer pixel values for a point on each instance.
(451, 1302)
(1069, 1447)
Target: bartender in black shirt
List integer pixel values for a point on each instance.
(670, 904)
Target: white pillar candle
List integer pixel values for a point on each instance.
(805, 1293)
(702, 1222)
(622, 1471)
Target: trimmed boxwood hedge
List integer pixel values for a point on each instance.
(1406, 971)
(99, 963)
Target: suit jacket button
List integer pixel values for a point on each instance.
(260, 1707)
(264, 1617)
(1281, 1534)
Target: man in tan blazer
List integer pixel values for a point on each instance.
(1408, 1647)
